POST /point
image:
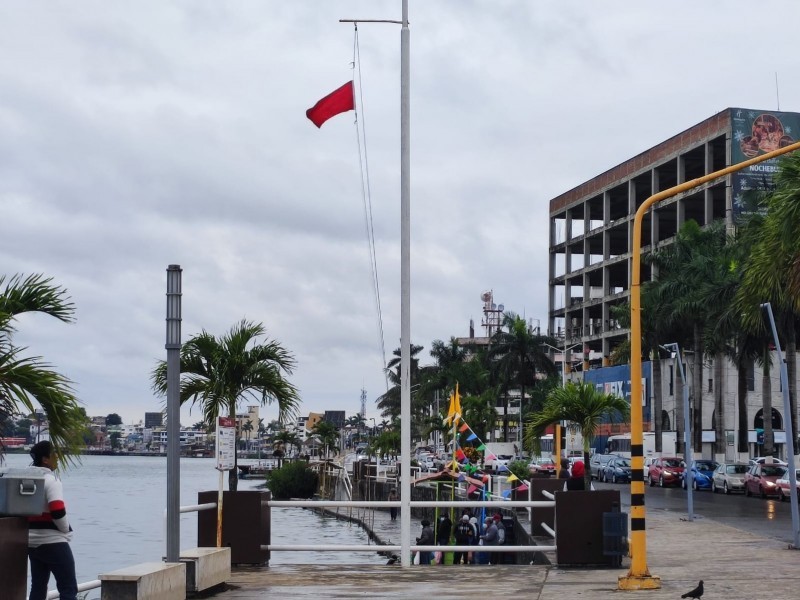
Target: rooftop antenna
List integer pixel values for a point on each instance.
(363, 403)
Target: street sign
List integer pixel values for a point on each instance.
(226, 443)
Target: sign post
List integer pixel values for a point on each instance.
(226, 460)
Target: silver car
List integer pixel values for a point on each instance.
(729, 477)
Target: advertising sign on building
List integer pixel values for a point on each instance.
(757, 132)
(226, 443)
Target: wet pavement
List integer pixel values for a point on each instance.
(733, 564)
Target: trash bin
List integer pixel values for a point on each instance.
(615, 536)
(21, 492)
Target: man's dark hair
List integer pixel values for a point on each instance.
(39, 451)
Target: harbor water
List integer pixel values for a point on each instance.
(116, 506)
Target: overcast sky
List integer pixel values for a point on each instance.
(138, 135)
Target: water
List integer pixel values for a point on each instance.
(116, 506)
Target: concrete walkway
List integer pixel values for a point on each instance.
(734, 565)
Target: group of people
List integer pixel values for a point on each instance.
(466, 532)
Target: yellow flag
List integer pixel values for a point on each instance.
(512, 477)
(451, 411)
(457, 404)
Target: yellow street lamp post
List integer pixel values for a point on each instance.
(638, 577)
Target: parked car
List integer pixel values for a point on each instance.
(785, 485)
(502, 460)
(598, 462)
(542, 466)
(761, 478)
(666, 470)
(729, 477)
(700, 474)
(617, 469)
(761, 460)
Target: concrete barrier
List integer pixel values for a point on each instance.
(145, 581)
(206, 567)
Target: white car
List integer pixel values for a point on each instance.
(502, 460)
(767, 460)
(647, 462)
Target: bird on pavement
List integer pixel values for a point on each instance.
(696, 592)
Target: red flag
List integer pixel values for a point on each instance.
(331, 105)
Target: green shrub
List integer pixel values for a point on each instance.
(292, 480)
(520, 469)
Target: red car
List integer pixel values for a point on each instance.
(667, 470)
(784, 484)
(542, 467)
(761, 479)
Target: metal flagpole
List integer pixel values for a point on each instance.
(405, 282)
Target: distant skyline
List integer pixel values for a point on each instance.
(133, 137)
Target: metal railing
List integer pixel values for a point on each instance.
(82, 587)
(528, 504)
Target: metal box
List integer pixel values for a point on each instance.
(21, 492)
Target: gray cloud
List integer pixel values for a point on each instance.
(133, 138)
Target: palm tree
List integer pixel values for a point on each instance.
(584, 407)
(682, 292)
(218, 373)
(389, 403)
(25, 379)
(289, 439)
(772, 271)
(246, 429)
(520, 355)
(328, 436)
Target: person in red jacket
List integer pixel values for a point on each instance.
(49, 533)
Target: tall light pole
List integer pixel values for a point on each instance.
(787, 409)
(638, 577)
(687, 429)
(173, 347)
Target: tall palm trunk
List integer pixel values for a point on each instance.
(657, 425)
(741, 397)
(791, 369)
(697, 391)
(766, 405)
(719, 404)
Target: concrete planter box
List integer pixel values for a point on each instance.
(579, 527)
(245, 525)
(13, 558)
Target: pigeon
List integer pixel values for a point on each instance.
(696, 592)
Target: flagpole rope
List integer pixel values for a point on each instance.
(366, 197)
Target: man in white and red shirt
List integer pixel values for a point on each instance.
(49, 533)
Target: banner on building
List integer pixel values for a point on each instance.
(757, 132)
